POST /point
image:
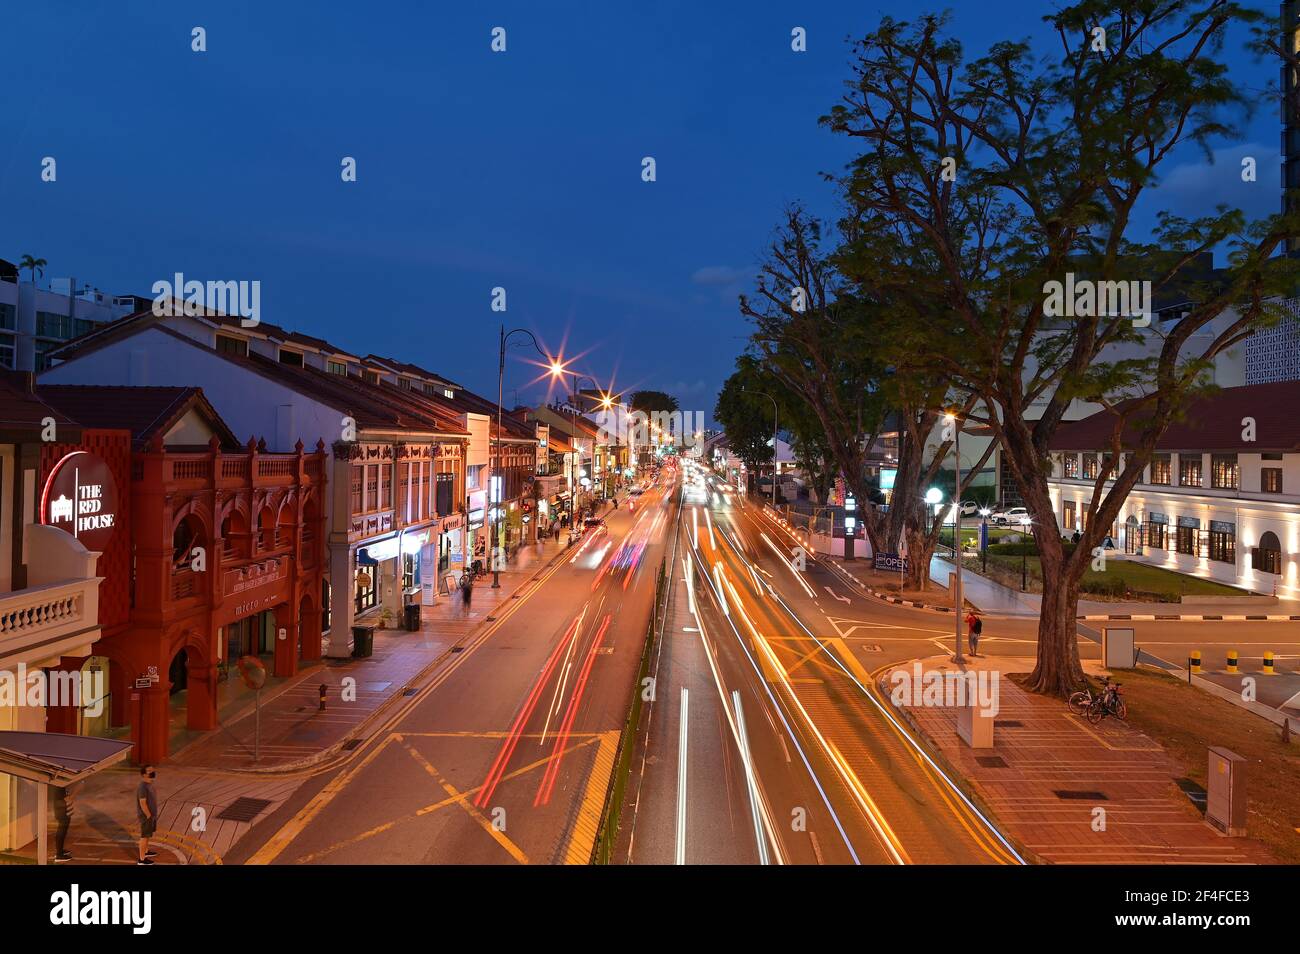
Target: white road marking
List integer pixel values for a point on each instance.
(681, 779)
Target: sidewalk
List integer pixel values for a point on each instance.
(211, 793)
(1071, 792)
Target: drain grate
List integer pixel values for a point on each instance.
(410, 692)
(458, 649)
(1009, 724)
(1079, 795)
(991, 761)
(243, 809)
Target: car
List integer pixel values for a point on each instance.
(1012, 515)
(636, 491)
(969, 508)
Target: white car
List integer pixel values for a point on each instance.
(1013, 516)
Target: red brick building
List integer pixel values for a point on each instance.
(219, 552)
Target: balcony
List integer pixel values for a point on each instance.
(58, 614)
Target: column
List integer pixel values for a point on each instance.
(342, 593)
(201, 686)
(286, 639)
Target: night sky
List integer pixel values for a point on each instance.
(475, 169)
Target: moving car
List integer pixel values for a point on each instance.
(593, 523)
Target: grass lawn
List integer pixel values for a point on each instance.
(1144, 580)
(1186, 721)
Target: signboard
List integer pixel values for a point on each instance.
(891, 561)
(80, 497)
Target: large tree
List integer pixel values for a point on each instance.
(747, 423)
(985, 182)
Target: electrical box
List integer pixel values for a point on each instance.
(1117, 649)
(1225, 806)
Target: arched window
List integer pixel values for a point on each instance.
(1268, 555)
(187, 535)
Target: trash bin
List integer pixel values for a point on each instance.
(413, 617)
(363, 642)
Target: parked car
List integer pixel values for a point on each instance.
(969, 508)
(1011, 515)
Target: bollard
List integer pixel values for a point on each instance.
(323, 690)
(1268, 663)
(1194, 663)
(1232, 661)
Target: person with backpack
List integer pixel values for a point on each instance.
(974, 627)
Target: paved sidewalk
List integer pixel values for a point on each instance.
(1050, 771)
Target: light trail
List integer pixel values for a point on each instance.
(681, 778)
(750, 782)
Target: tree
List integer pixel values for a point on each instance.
(747, 424)
(986, 182)
(34, 265)
(652, 401)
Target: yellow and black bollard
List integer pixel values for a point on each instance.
(1232, 660)
(1194, 663)
(1268, 663)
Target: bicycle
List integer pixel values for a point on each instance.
(1108, 703)
(1079, 702)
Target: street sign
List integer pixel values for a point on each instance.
(890, 561)
(144, 682)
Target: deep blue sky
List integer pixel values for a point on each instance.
(475, 169)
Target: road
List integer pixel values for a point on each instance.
(505, 756)
(765, 741)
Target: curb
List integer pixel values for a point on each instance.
(1193, 618)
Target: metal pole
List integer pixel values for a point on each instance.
(257, 725)
(956, 538)
(491, 522)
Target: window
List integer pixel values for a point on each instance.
(336, 367)
(1071, 465)
(1090, 466)
(235, 346)
(1223, 541)
(1223, 471)
(405, 383)
(1189, 470)
(372, 377)
(42, 357)
(1157, 531)
(358, 482)
(50, 325)
(1267, 557)
(372, 487)
(1067, 515)
(1160, 473)
(7, 351)
(448, 393)
(291, 357)
(444, 487)
(1270, 480)
(367, 594)
(1187, 536)
(8, 317)
(385, 488)
(408, 571)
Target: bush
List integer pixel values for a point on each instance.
(1014, 549)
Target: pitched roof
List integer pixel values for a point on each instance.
(1216, 421)
(144, 411)
(23, 413)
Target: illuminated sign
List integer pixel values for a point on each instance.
(887, 476)
(81, 498)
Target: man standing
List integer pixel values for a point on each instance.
(64, 803)
(146, 810)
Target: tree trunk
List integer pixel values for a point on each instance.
(1058, 671)
(920, 547)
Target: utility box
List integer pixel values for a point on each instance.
(1117, 649)
(975, 725)
(1225, 805)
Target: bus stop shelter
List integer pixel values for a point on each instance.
(58, 760)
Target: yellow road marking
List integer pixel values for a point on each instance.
(583, 840)
(176, 840)
(430, 809)
(463, 800)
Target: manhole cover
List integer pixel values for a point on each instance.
(1078, 795)
(991, 761)
(244, 809)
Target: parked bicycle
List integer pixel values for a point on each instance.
(1108, 703)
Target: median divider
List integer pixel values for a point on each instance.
(610, 812)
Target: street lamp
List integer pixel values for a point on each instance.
(984, 550)
(559, 370)
(493, 521)
(950, 419)
(774, 437)
(1024, 558)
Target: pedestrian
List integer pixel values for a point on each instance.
(466, 590)
(64, 806)
(974, 626)
(146, 810)
(1075, 538)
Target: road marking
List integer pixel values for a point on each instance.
(583, 840)
(842, 599)
(681, 778)
(462, 799)
(743, 737)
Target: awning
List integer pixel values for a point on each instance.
(365, 559)
(56, 758)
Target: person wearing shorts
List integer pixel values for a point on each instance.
(146, 811)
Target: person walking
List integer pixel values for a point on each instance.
(466, 590)
(974, 626)
(146, 810)
(64, 806)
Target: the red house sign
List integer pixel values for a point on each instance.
(81, 498)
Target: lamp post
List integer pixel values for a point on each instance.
(558, 370)
(1024, 557)
(774, 437)
(951, 420)
(492, 522)
(984, 549)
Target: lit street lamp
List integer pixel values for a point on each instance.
(494, 519)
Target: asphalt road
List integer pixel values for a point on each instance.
(765, 743)
(506, 755)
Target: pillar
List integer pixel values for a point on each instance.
(63, 717)
(309, 632)
(342, 593)
(149, 727)
(286, 639)
(201, 687)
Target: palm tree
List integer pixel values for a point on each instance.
(35, 265)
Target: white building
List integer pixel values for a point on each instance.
(1221, 497)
